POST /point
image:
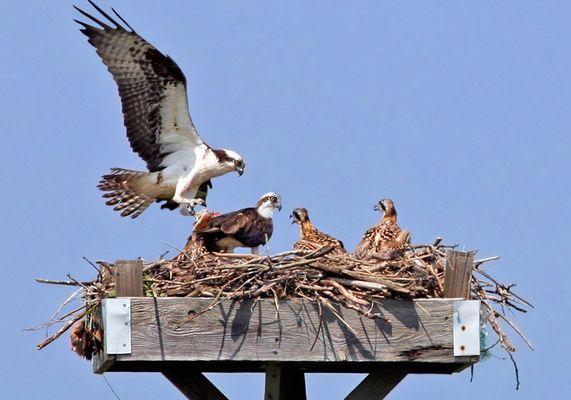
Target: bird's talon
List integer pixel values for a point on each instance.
(187, 209)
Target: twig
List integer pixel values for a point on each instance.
(479, 262)
(61, 330)
(516, 329)
(66, 283)
(516, 370)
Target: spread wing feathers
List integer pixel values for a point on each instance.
(152, 89)
(121, 190)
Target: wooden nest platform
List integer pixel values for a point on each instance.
(288, 314)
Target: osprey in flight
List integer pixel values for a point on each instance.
(249, 227)
(155, 109)
(386, 240)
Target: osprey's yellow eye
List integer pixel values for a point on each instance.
(273, 198)
(236, 162)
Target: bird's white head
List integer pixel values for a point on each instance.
(268, 204)
(229, 161)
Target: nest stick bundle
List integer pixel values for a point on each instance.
(321, 276)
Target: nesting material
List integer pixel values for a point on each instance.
(323, 276)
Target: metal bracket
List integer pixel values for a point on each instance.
(117, 325)
(466, 322)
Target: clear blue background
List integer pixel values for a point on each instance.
(459, 111)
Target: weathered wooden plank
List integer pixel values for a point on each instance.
(458, 274)
(102, 362)
(377, 385)
(129, 278)
(193, 384)
(162, 330)
(361, 367)
(283, 383)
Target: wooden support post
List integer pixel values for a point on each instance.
(284, 383)
(458, 274)
(129, 278)
(377, 385)
(193, 384)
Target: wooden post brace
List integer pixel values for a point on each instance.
(193, 384)
(284, 383)
(377, 385)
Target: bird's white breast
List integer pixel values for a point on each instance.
(184, 163)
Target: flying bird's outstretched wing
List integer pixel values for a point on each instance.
(152, 89)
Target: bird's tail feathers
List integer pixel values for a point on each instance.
(123, 189)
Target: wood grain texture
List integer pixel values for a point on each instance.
(458, 274)
(377, 385)
(193, 384)
(418, 331)
(129, 278)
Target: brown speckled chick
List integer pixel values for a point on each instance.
(386, 240)
(312, 238)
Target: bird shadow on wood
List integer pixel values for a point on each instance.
(159, 327)
(354, 345)
(238, 322)
(224, 320)
(404, 311)
(383, 328)
(355, 348)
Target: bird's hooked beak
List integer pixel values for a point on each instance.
(379, 207)
(240, 170)
(279, 205)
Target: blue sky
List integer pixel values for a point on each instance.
(458, 111)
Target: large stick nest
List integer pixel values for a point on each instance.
(323, 276)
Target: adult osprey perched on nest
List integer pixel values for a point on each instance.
(155, 108)
(386, 240)
(249, 227)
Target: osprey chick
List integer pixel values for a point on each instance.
(312, 238)
(248, 227)
(159, 128)
(386, 239)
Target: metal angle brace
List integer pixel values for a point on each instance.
(466, 323)
(117, 325)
